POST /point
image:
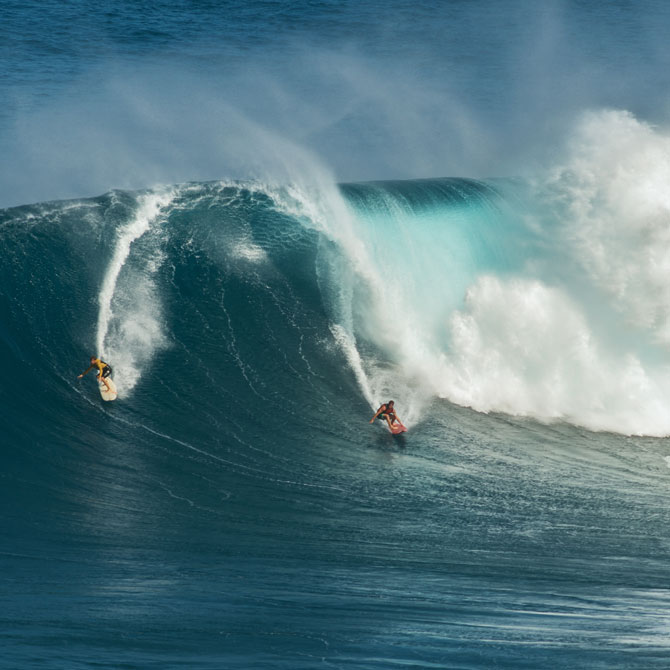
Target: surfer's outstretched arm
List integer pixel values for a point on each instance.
(90, 367)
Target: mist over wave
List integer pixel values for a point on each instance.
(396, 101)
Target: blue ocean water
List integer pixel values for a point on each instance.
(272, 217)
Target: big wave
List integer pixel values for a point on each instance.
(544, 298)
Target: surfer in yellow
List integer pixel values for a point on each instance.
(104, 370)
(387, 412)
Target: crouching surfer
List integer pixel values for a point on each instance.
(104, 371)
(387, 413)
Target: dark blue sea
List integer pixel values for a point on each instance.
(269, 218)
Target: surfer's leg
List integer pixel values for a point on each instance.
(107, 372)
(104, 379)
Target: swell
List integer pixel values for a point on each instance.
(221, 300)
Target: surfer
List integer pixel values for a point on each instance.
(104, 370)
(387, 412)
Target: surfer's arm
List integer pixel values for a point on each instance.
(377, 413)
(90, 367)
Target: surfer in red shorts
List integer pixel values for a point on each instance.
(387, 412)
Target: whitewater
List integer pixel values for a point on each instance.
(271, 219)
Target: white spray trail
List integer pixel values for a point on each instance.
(117, 330)
(325, 209)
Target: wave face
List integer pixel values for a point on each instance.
(234, 506)
(450, 288)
